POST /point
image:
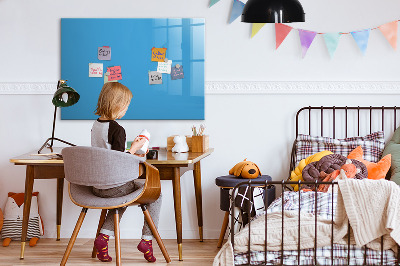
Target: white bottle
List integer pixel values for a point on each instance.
(144, 134)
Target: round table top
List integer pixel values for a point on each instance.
(230, 181)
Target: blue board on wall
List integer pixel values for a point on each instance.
(131, 41)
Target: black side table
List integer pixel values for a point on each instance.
(228, 182)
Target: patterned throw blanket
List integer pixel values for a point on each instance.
(371, 216)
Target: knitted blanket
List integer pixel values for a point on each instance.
(274, 235)
(371, 207)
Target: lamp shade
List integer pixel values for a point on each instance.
(273, 11)
(65, 96)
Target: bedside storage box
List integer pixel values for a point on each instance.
(171, 143)
(200, 143)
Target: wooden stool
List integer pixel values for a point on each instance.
(226, 183)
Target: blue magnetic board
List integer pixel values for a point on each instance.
(131, 41)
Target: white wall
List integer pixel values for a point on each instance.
(258, 127)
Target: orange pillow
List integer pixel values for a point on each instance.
(375, 170)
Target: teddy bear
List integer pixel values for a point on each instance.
(245, 169)
(180, 144)
(13, 215)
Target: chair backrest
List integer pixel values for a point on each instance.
(92, 166)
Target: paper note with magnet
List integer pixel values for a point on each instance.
(95, 70)
(164, 67)
(158, 54)
(115, 73)
(177, 72)
(104, 53)
(155, 77)
(106, 78)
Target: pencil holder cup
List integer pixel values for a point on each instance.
(200, 143)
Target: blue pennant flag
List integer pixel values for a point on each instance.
(237, 9)
(332, 41)
(361, 38)
(213, 2)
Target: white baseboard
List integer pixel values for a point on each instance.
(247, 87)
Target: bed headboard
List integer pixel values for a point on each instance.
(344, 121)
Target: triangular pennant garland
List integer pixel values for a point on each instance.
(306, 39)
(281, 31)
(361, 38)
(389, 30)
(213, 2)
(332, 41)
(237, 9)
(256, 28)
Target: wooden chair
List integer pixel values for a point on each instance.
(85, 167)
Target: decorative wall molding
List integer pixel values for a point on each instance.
(28, 88)
(248, 87)
(303, 87)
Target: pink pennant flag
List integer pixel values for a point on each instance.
(281, 31)
(306, 39)
(389, 30)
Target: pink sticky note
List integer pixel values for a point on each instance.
(115, 73)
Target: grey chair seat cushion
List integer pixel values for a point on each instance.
(83, 196)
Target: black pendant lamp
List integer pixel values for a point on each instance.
(273, 11)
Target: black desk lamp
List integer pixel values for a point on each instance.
(272, 11)
(64, 96)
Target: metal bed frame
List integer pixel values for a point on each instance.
(283, 184)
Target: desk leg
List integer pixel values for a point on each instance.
(199, 204)
(176, 182)
(60, 190)
(27, 206)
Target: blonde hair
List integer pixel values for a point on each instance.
(113, 98)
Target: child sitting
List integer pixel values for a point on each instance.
(113, 102)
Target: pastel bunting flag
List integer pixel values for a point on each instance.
(213, 2)
(237, 9)
(332, 41)
(256, 27)
(389, 30)
(361, 37)
(306, 39)
(281, 31)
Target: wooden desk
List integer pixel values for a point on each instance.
(169, 165)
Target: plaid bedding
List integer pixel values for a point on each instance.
(323, 207)
(372, 145)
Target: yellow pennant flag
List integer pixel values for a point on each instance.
(256, 28)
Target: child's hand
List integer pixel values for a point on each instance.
(142, 155)
(137, 144)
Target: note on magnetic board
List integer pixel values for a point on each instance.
(104, 53)
(106, 78)
(177, 72)
(115, 73)
(155, 77)
(158, 54)
(95, 70)
(164, 67)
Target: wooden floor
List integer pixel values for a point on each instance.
(50, 252)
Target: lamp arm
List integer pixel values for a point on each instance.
(54, 126)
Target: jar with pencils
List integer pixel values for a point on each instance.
(199, 140)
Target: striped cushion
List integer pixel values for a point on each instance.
(13, 228)
(372, 145)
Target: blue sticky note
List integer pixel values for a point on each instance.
(177, 72)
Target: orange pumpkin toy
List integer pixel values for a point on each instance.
(245, 169)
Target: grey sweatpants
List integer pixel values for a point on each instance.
(153, 208)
